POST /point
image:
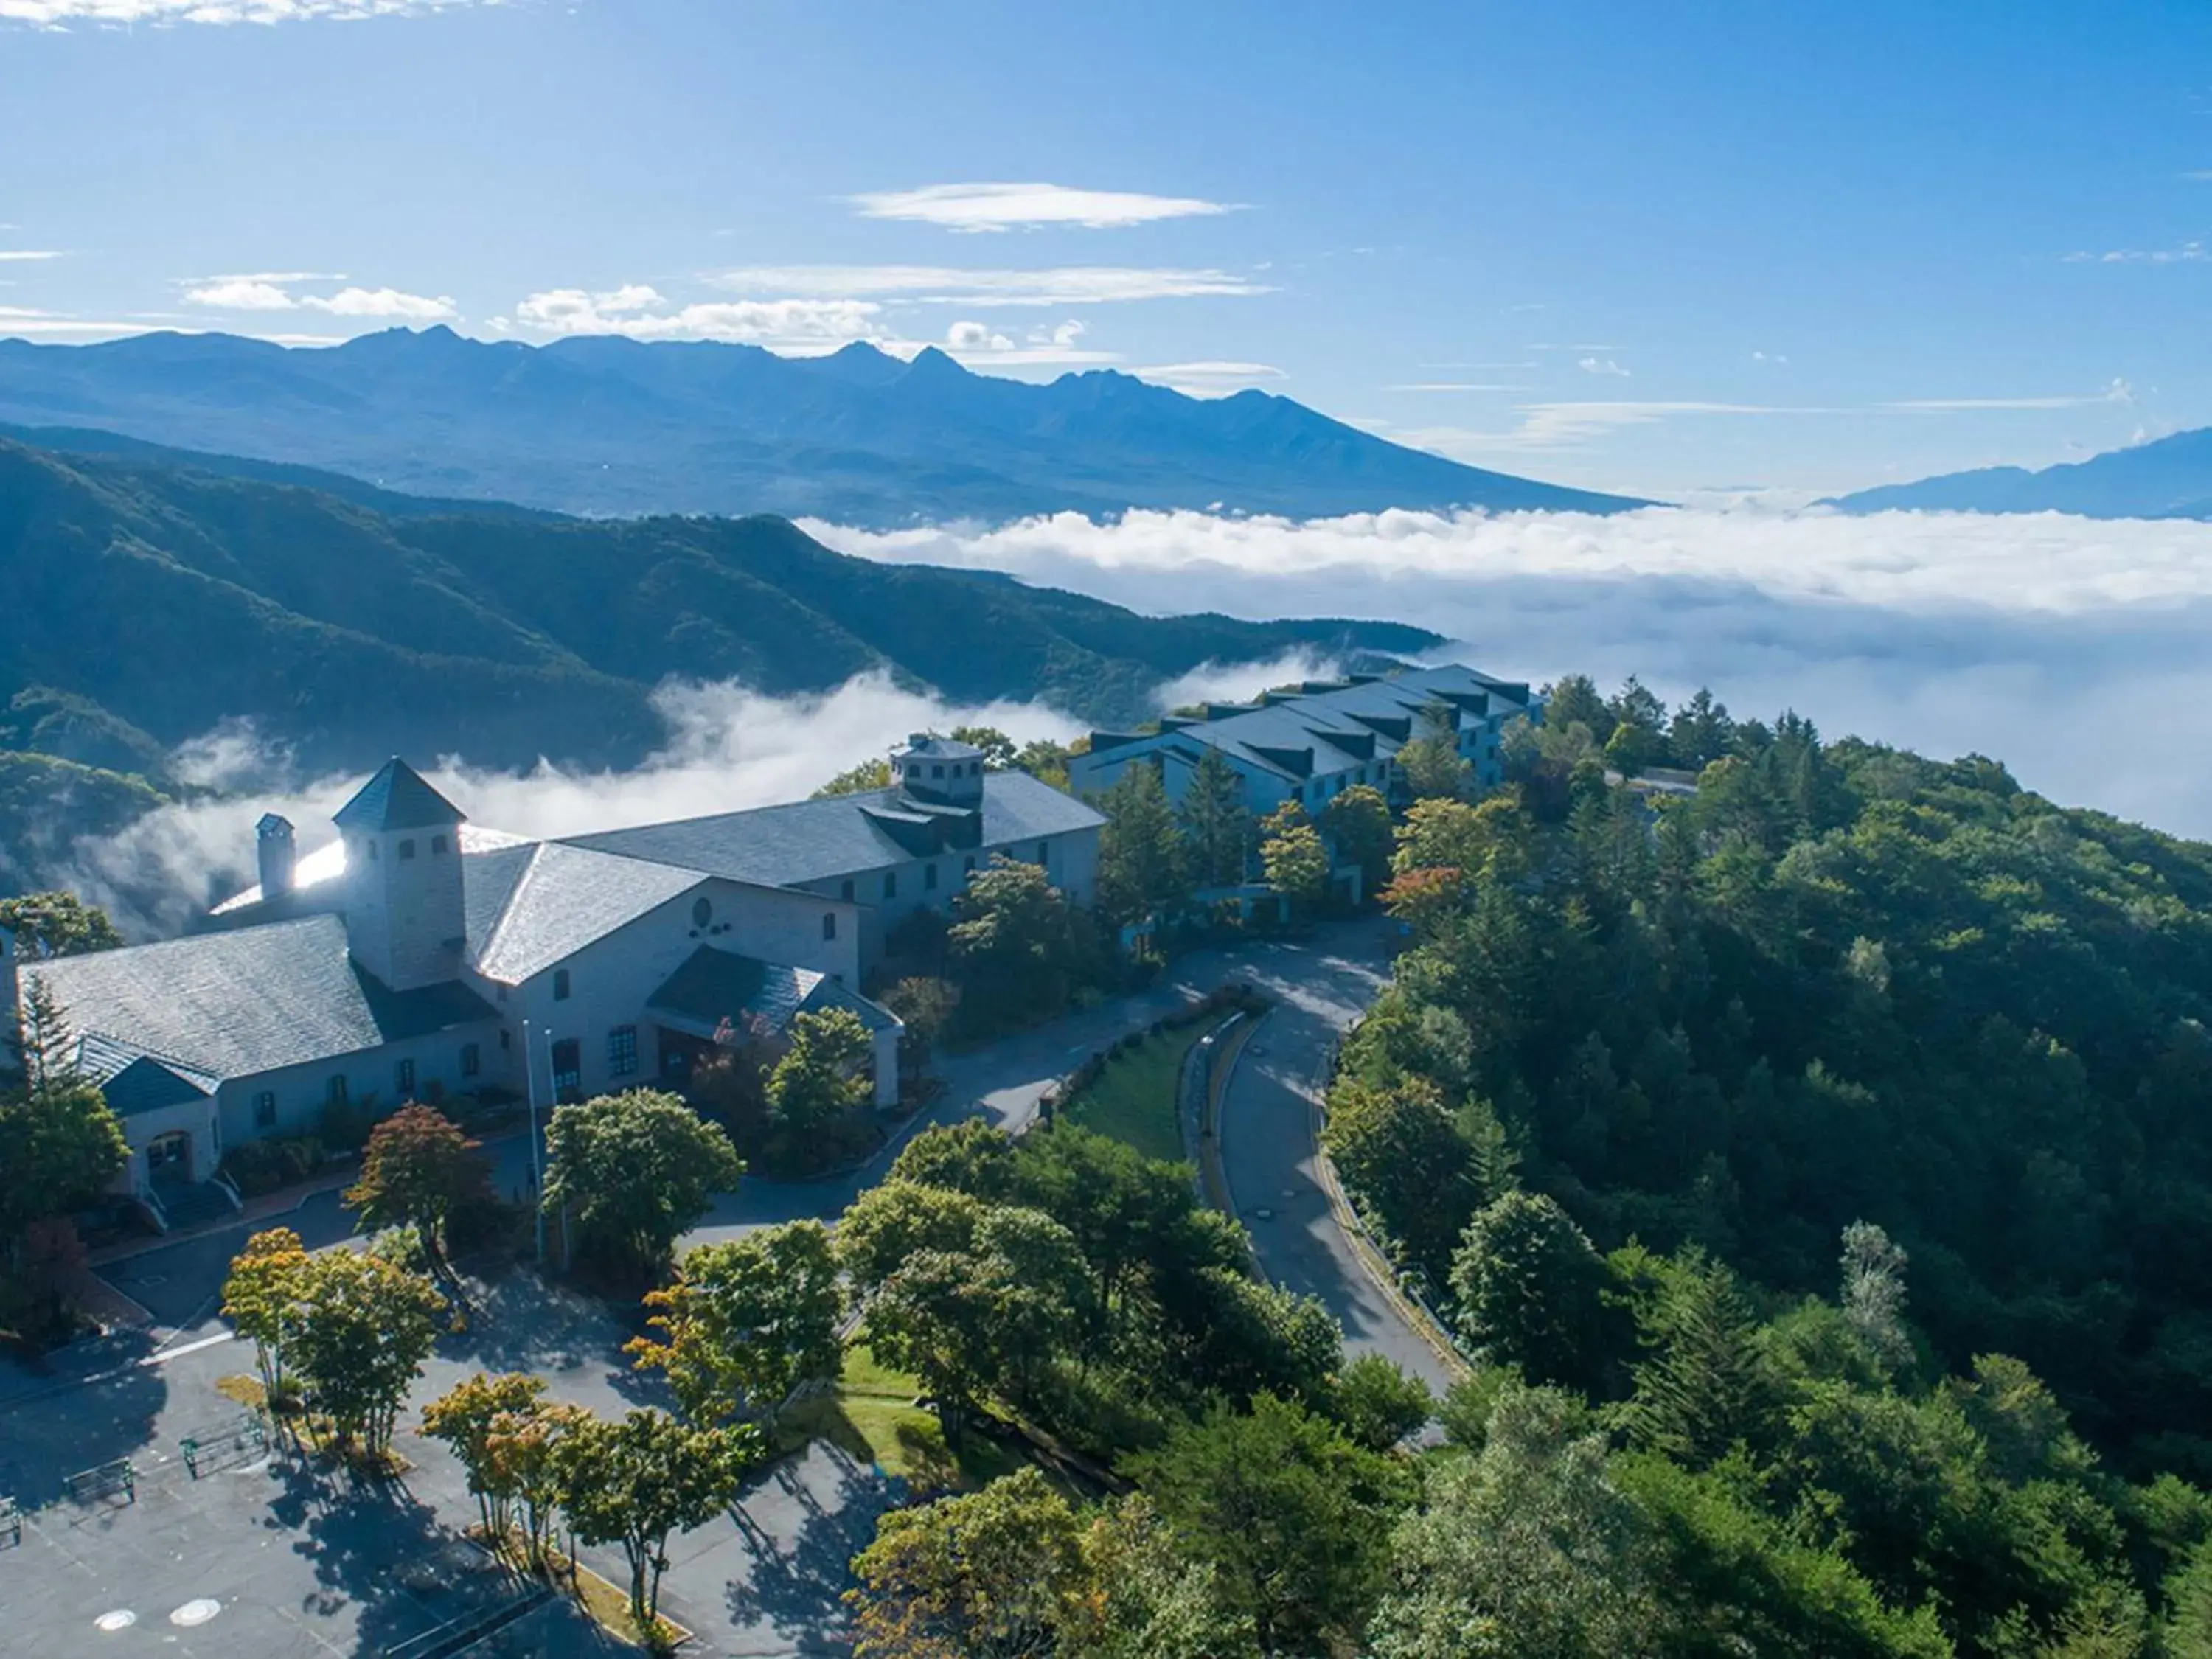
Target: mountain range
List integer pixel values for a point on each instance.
(606, 426)
(2170, 478)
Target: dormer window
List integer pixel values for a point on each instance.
(407, 847)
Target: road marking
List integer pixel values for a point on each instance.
(190, 1348)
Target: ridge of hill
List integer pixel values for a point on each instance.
(2168, 478)
(608, 426)
(153, 600)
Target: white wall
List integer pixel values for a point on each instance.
(403, 914)
(611, 979)
(371, 1074)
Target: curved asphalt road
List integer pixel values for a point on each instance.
(1268, 1151)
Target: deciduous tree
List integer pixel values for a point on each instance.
(1292, 853)
(57, 924)
(747, 1321)
(634, 1170)
(1528, 1282)
(464, 1417)
(821, 1077)
(417, 1170)
(357, 1329)
(996, 1574)
(634, 1482)
(265, 1279)
(1358, 825)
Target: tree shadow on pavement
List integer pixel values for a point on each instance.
(55, 1428)
(795, 1585)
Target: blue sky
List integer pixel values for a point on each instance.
(1667, 249)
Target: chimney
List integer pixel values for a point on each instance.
(277, 856)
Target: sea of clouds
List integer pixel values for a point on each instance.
(2079, 652)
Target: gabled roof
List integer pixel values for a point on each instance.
(556, 901)
(148, 1085)
(811, 840)
(712, 985)
(1297, 734)
(253, 1000)
(397, 798)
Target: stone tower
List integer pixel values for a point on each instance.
(404, 914)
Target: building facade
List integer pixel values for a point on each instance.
(1311, 743)
(418, 957)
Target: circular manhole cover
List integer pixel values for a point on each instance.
(121, 1619)
(196, 1612)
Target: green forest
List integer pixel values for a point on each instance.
(1827, 1145)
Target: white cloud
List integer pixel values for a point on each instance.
(727, 747)
(270, 290)
(1211, 378)
(995, 207)
(643, 314)
(56, 14)
(24, 321)
(976, 337)
(14, 255)
(1452, 385)
(1601, 366)
(239, 294)
(2031, 638)
(381, 302)
(1065, 285)
(1768, 357)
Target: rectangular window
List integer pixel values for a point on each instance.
(407, 848)
(621, 1051)
(845, 892)
(335, 1091)
(471, 1060)
(967, 864)
(1044, 852)
(560, 985)
(568, 1069)
(929, 878)
(506, 1040)
(403, 1079)
(829, 924)
(437, 845)
(265, 1109)
(890, 884)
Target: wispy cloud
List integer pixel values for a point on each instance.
(1065, 285)
(58, 14)
(270, 290)
(997, 207)
(1451, 386)
(2190, 253)
(1601, 366)
(16, 255)
(1212, 379)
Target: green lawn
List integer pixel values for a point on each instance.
(1133, 1099)
(872, 1417)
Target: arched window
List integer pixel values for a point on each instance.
(702, 912)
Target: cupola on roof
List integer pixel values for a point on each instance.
(397, 798)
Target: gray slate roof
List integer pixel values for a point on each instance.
(1293, 736)
(232, 1004)
(397, 798)
(556, 902)
(810, 841)
(927, 746)
(712, 985)
(146, 1085)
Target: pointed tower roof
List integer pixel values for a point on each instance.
(397, 799)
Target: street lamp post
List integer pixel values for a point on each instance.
(536, 1165)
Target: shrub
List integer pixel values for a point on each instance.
(255, 1167)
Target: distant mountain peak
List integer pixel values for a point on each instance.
(2169, 477)
(604, 425)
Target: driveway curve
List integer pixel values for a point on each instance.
(1268, 1154)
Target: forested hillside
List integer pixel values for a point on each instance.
(1838, 1136)
(150, 597)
